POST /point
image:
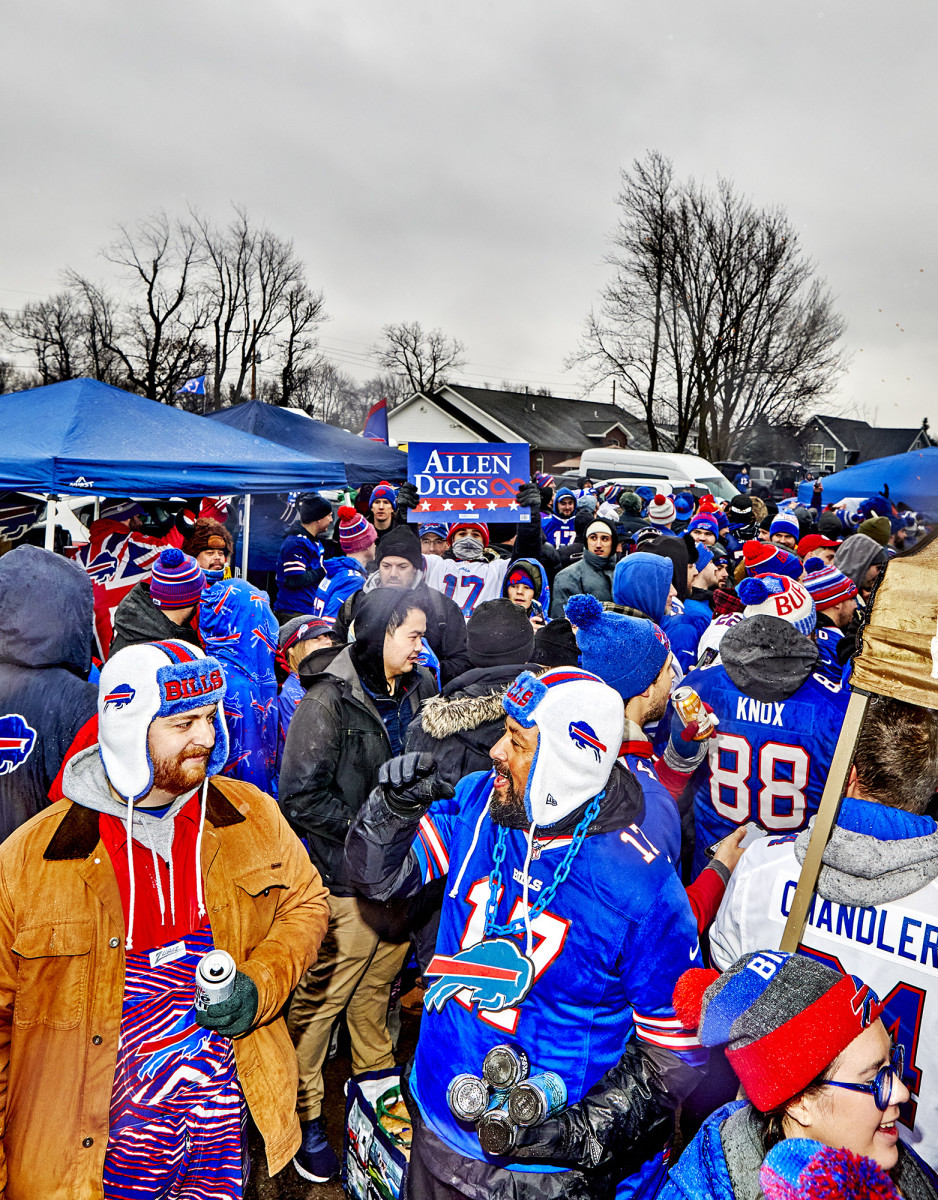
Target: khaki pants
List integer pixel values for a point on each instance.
(355, 969)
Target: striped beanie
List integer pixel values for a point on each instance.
(177, 580)
(384, 491)
(778, 596)
(812, 563)
(783, 1018)
(765, 558)
(785, 522)
(355, 533)
(828, 587)
(661, 510)
(543, 480)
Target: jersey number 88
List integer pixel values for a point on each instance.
(782, 777)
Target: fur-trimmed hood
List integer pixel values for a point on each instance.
(470, 701)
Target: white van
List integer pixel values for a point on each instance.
(685, 472)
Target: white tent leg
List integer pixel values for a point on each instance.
(50, 523)
(245, 536)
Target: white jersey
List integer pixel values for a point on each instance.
(468, 583)
(893, 947)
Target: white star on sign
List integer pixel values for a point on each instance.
(426, 506)
(491, 504)
(514, 504)
(447, 506)
(469, 506)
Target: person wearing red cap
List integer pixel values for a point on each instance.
(815, 1061)
(815, 545)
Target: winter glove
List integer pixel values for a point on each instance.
(529, 496)
(407, 497)
(234, 1016)
(184, 520)
(411, 783)
(682, 752)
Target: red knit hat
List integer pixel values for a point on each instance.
(783, 1018)
(355, 533)
(765, 558)
(479, 526)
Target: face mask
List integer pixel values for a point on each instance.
(468, 548)
(213, 576)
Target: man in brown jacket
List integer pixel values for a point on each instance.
(111, 1083)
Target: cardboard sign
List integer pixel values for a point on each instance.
(468, 481)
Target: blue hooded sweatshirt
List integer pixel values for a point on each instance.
(238, 627)
(559, 530)
(344, 576)
(541, 604)
(642, 581)
(701, 1172)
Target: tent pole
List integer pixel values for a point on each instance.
(50, 522)
(245, 536)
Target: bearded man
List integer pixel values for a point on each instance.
(112, 1085)
(563, 929)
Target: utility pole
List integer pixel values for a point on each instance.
(254, 361)
(613, 391)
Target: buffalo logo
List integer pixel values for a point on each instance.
(16, 742)
(102, 567)
(863, 1002)
(120, 697)
(585, 737)
(660, 635)
(495, 973)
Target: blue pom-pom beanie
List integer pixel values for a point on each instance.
(625, 652)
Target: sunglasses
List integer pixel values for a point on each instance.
(881, 1087)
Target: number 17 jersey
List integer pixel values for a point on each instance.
(769, 760)
(468, 583)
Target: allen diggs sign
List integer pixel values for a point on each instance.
(468, 481)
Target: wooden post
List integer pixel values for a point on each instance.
(824, 820)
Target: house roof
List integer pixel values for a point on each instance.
(550, 422)
(869, 442)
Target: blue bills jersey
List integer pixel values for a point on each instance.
(606, 954)
(559, 531)
(768, 762)
(826, 639)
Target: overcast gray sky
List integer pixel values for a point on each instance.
(456, 163)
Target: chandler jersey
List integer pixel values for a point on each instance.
(606, 953)
(468, 583)
(893, 947)
(768, 761)
(559, 531)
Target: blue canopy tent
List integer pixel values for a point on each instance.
(912, 477)
(85, 437)
(366, 462)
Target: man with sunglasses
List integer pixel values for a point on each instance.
(875, 914)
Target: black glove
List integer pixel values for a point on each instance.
(410, 783)
(407, 497)
(529, 496)
(185, 519)
(234, 1016)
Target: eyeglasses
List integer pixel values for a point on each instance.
(881, 1087)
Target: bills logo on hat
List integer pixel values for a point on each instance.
(17, 740)
(585, 737)
(863, 1002)
(495, 973)
(188, 686)
(661, 636)
(119, 697)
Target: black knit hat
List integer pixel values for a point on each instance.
(739, 511)
(312, 507)
(499, 634)
(401, 542)
(555, 645)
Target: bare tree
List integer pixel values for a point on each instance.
(714, 319)
(421, 360)
(49, 332)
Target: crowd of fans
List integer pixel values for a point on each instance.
(453, 751)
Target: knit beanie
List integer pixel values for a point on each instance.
(739, 511)
(783, 1018)
(207, 534)
(499, 634)
(401, 542)
(631, 503)
(520, 575)
(580, 722)
(555, 645)
(625, 652)
(815, 541)
(661, 510)
(177, 580)
(829, 525)
(765, 558)
(383, 491)
(812, 563)
(778, 596)
(355, 533)
(542, 480)
(878, 528)
(478, 527)
(312, 507)
(803, 1169)
(303, 629)
(704, 556)
(706, 522)
(589, 502)
(828, 587)
(786, 522)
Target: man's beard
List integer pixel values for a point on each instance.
(181, 774)
(506, 807)
(656, 713)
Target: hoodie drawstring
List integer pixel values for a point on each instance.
(454, 891)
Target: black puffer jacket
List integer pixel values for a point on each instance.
(46, 629)
(137, 620)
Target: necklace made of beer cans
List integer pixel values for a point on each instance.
(493, 929)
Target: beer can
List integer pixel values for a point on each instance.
(497, 1132)
(467, 1097)
(533, 1101)
(688, 706)
(214, 978)
(506, 1065)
